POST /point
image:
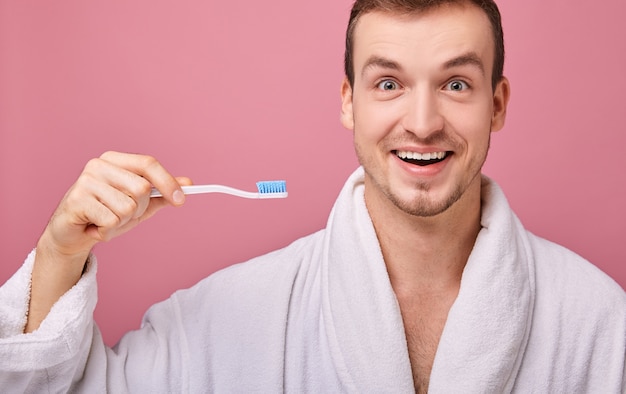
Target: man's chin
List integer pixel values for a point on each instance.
(422, 203)
(424, 208)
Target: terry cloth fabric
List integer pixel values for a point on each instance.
(320, 316)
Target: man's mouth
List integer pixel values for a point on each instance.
(421, 159)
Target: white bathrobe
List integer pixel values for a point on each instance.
(320, 316)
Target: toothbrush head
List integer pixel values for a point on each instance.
(272, 189)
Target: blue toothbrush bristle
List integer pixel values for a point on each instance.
(272, 186)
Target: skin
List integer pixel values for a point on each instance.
(423, 84)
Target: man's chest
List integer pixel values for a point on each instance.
(423, 326)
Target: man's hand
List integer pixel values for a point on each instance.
(110, 197)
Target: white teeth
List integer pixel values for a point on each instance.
(420, 156)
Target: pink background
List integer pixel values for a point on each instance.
(234, 92)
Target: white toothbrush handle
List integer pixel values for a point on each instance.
(201, 189)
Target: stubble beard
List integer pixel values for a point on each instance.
(422, 205)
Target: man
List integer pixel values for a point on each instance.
(422, 280)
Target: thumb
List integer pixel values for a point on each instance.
(158, 203)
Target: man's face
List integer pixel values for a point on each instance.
(422, 105)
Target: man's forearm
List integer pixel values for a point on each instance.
(53, 275)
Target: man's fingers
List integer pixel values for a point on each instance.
(112, 195)
(184, 181)
(158, 203)
(151, 170)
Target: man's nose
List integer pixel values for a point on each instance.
(423, 113)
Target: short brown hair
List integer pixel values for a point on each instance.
(362, 7)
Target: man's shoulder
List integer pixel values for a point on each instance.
(578, 324)
(286, 259)
(562, 274)
(270, 274)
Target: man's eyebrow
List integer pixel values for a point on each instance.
(380, 62)
(470, 58)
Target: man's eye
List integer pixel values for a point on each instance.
(387, 84)
(456, 86)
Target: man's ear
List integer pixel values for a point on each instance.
(501, 97)
(347, 115)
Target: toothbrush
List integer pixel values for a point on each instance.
(266, 189)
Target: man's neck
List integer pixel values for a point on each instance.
(427, 254)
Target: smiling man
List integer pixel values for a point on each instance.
(422, 105)
(423, 280)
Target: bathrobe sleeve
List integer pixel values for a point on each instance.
(30, 362)
(67, 352)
